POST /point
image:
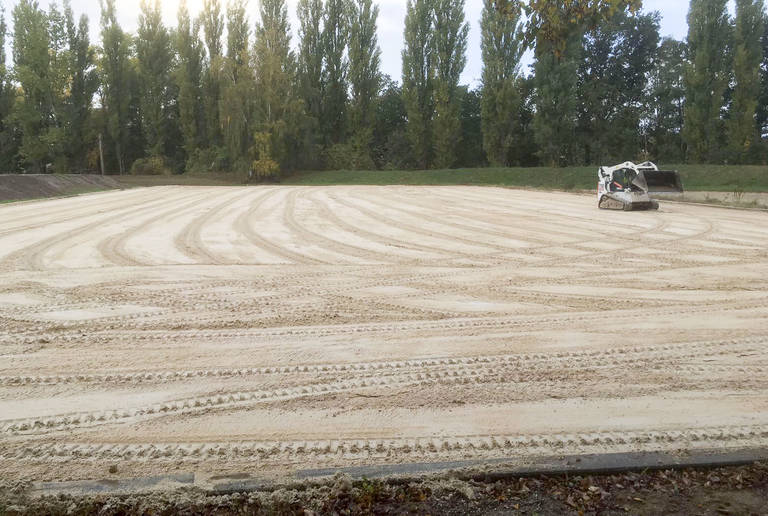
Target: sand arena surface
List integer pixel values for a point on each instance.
(270, 329)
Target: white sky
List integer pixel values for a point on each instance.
(391, 23)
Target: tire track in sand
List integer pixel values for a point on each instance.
(244, 225)
(389, 449)
(190, 241)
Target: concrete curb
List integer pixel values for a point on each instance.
(478, 470)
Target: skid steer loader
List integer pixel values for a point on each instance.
(630, 187)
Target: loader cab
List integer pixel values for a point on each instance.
(628, 180)
(621, 180)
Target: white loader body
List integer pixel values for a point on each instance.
(626, 186)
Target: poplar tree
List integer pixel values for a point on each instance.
(34, 113)
(418, 79)
(502, 48)
(8, 136)
(310, 75)
(237, 88)
(154, 56)
(762, 107)
(189, 76)
(84, 82)
(666, 103)
(275, 66)
(553, 21)
(116, 73)
(335, 70)
(450, 48)
(364, 77)
(212, 20)
(748, 56)
(707, 78)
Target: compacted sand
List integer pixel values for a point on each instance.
(267, 330)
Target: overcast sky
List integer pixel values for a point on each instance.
(391, 22)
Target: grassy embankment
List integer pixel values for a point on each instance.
(695, 177)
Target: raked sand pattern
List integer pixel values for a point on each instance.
(270, 329)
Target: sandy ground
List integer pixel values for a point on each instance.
(270, 329)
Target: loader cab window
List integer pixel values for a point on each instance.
(622, 179)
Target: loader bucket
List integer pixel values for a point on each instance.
(663, 181)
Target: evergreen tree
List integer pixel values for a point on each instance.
(310, 76)
(706, 79)
(364, 77)
(665, 112)
(502, 48)
(450, 48)
(117, 75)
(189, 77)
(8, 135)
(418, 79)
(275, 66)
(237, 89)
(748, 56)
(154, 56)
(212, 20)
(84, 82)
(335, 70)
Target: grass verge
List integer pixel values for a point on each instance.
(695, 177)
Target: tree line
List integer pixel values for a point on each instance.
(216, 93)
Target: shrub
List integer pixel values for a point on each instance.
(154, 166)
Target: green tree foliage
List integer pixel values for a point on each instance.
(618, 57)
(450, 48)
(665, 106)
(155, 59)
(470, 153)
(706, 79)
(212, 20)
(83, 85)
(391, 149)
(364, 76)
(189, 81)
(235, 106)
(8, 135)
(747, 58)
(117, 75)
(39, 60)
(603, 88)
(502, 48)
(310, 77)
(418, 78)
(557, 27)
(277, 108)
(557, 101)
(762, 107)
(335, 70)
(525, 152)
(552, 21)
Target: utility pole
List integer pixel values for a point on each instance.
(101, 154)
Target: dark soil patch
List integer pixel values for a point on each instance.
(736, 490)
